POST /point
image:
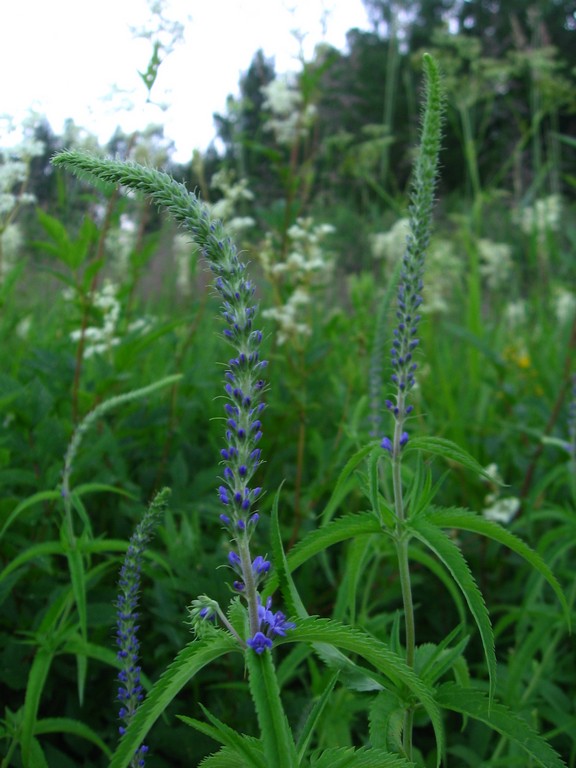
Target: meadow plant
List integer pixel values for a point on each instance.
(391, 245)
(290, 117)
(398, 684)
(294, 278)
(495, 263)
(130, 692)
(14, 173)
(564, 304)
(101, 338)
(234, 195)
(541, 217)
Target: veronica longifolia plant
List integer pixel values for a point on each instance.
(244, 387)
(130, 689)
(399, 688)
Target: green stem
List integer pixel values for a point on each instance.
(250, 592)
(403, 571)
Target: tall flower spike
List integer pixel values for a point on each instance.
(410, 285)
(130, 689)
(245, 384)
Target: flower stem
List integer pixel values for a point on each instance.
(250, 591)
(401, 544)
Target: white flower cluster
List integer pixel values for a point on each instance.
(495, 263)
(288, 315)
(306, 264)
(290, 118)
(499, 509)
(14, 171)
(516, 314)
(10, 245)
(391, 245)
(233, 194)
(99, 339)
(564, 304)
(306, 257)
(543, 216)
(15, 166)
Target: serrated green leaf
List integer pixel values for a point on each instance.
(343, 528)
(191, 659)
(225, 758)
(439, 446)
(445, 549)
(276, 736)
(467, 520)
(377, 653)
(246, 748)
(475, 704)
(365, 757)
(386, 719)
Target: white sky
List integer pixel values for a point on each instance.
(64, 58)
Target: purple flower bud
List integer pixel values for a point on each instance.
(234, 559)
(260, 566)
(386, 444)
